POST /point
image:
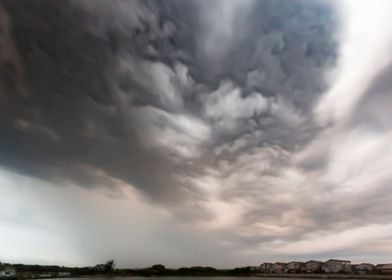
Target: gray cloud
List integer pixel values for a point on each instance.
(126, 96)
(206, 109)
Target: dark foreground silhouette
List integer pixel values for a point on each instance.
(23, 271)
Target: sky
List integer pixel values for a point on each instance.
(222, 133)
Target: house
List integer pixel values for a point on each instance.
(295, 267)
(336, 266)
(7, 271)
(64, 274)
(266, 267)
(384, 268)
(279, 267)
(363, 268)
(313, 266)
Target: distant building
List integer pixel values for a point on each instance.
(295, 267)
(384, 268)
(279, 267)
(363, 268)
(336, 266)
(313, 266)
(7, 271)
(266, 267)
(64, 274)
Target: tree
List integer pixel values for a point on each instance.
(158, 267)
(109, 266)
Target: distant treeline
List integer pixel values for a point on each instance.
(109, 269)
(160, 270)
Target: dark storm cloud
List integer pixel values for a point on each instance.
(71, 96)
(152, 93)
(207, 108)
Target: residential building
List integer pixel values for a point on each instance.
(363, 268)
(279, 267)
(384, 268)
(295, 267)
(313, 266)
(266, 267)
(336, 266)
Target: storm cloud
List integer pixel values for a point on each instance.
(261, 124)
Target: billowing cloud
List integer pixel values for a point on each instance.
(261, 125)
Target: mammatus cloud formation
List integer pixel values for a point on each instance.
(258, 129)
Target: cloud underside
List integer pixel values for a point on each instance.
(222, 113)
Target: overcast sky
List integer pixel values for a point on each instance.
(221, 133)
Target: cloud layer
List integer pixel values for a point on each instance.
(263, 126)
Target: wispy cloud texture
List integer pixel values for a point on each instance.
(259, 129)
